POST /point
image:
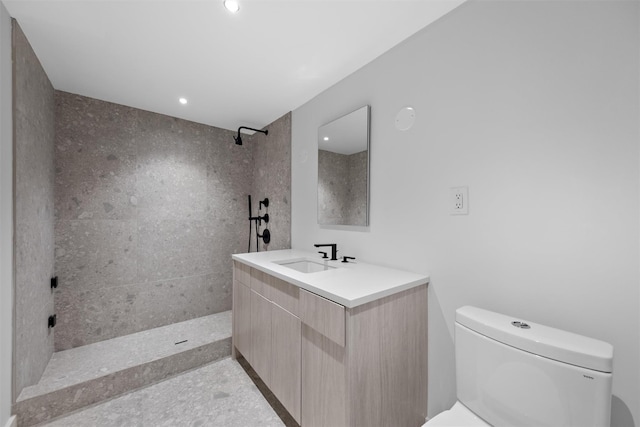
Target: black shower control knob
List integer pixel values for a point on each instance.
(51, 322)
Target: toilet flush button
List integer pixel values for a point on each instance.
(520, 325)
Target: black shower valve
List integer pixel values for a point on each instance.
(52, 321)
(265, 236)
(54, 282)
(264, 203)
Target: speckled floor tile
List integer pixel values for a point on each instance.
(219, 394)
(88, 362)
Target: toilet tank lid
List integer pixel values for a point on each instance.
(538, 339)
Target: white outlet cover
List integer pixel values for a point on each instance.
(459, 200)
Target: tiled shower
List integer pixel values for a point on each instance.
(137, 214)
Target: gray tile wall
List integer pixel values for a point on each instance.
(357, 188)
(342, 188)
(149, 209)
(272, 179)
(34, 219)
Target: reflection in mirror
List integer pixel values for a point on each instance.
(343, 170)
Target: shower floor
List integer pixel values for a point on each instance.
(96, 372)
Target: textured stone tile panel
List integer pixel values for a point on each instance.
(172, 167)
(230, 172)
(169, 249)
(94, 253)
(188, 297)
(95, 159)
(34, 344)
(34, 176)
(86, 316)
(34, 266)
(34, 142)
(272, 179)
(33, 90)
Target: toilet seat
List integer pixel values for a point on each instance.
(457, 416)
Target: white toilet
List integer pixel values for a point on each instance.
(515, 373)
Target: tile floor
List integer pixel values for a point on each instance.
(218, 394)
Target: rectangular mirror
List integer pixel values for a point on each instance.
(343, 170)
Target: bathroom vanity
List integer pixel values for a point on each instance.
(339, 344)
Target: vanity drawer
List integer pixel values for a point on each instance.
(284, 294)
(259, 284)
(323, 315)
(241, 272)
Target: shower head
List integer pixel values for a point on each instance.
(238, 138)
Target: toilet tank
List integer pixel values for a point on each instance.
(516, 373)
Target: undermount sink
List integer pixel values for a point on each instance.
(304, 265)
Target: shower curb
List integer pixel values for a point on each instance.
(48, 406)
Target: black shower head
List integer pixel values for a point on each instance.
(238, 138)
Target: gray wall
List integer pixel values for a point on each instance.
(6, 216)
(272, 179)
(34, 219)
(534, 106)
(149, 209)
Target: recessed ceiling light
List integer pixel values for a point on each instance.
(232, 5)
(183, 101)
(326, 138)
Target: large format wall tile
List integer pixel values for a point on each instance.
(33, 91)
(172, 248)
(189, 297)
(272, 179)
(34, 220)
(33, 339)
(90, 315)
(95, 159)
(95, 253)
(172, 167)
(149, 210)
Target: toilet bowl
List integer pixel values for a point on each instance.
(567, 377)
(457, 416)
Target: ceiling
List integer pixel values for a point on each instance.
(243, 69)
(346, 135)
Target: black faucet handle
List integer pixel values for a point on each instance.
(324, 254)
(347, 258)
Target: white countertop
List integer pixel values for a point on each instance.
(350, 284)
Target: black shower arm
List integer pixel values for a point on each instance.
(266, 131)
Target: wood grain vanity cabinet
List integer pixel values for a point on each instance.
(330, 365)
(271, 342)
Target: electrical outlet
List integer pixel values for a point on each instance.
(459, 200)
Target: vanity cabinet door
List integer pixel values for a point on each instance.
(261, 336)
(285, 359)
(242, 319)
(324, 380)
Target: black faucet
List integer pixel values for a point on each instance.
(334, 249)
